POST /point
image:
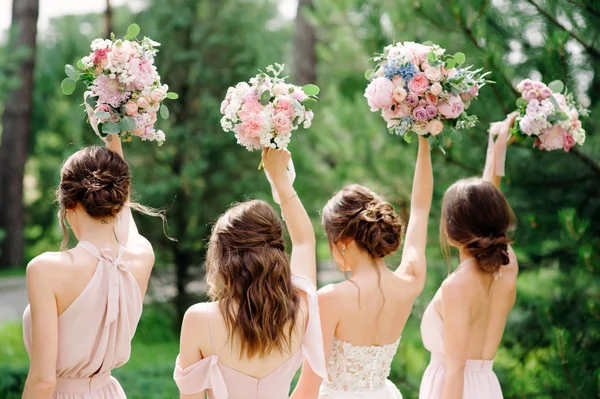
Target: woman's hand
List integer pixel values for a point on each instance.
(276, 164)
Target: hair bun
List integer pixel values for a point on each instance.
(490, 252)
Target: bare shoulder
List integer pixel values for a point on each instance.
(513, 264)
(140, 252)
(196, 319)
(459, 287)
(49, 264)
(336, 294)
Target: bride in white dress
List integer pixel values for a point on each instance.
(363, 317)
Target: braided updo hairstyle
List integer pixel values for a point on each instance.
(359, 214)
(476, 216)
(98, 179)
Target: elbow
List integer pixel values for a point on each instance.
(41, 387)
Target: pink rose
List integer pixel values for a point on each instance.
(529, 95)
(119, 54)
(379, 94)
(142, 102)
(139, 131)
(280, 89)
(282, 124)
(431, 111)
(250, 109)
(422, 102)
(420, 114)
(474, 90)
(418, 83)
(545, 93)
(431, 98)
(252, 127)
(569, 142)
(152, 118)
(131, 108)
(299, 95)
(525, 85)
(285, 107)
(433, 74)
(436, 89)
(421, 128)
(99, 55)
(453, 108)
(435, 126)
(538, 85)
(224, 105)
(465, 96)
(399, 94)
(142, 72)
(398, 81)
(412, 99)
(156, 95)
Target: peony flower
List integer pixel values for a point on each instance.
(436, 89)
(399, 94)
(109, 91)
(420, 114)
(421, 128)
(412, 99)
(435, 126)
(418, 83)
(253, 126)
(553, 138)
(250, 109)
(392, 116)
(431, 98)
(131, 108)
(282, 124)
(280, 89)
(143, 73)
(433, 74)
(379, 94)
(453, 108)
(285, 107)
(431, 111)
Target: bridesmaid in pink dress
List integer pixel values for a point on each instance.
(264, 320)
(85, 303)
(463, 326)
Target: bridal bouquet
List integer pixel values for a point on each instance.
(264, 112)
(549, 116)
(124, 88)
(420, 89)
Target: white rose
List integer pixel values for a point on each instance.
(435, 126)
(433, 74)
(421, 128)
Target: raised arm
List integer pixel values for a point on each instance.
(303, 261)
(496, 151)
(414, 263)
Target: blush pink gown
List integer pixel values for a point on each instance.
(222, 382)
(480, 380)
(95, 332)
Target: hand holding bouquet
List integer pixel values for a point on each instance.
(420, 89)
(124, 88)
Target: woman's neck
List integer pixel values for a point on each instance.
(99, 232)
(364, 265)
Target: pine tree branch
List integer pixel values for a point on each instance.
(586, 159)
(586, 8)
(564, 362)
(593, 51)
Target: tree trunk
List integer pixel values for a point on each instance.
(305, 39)
(15, 136)
(108, 14)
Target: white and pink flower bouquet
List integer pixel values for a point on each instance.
(548, 115)
(125, 93)
(420, 89)
(264, 112)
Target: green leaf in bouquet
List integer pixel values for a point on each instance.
(555, 103)
(369, 73)
(408, 136)
(80, 64)
(127, 124)
(559, 116)
(428, 43)
(265, 97)
(310, 103)
(70, 71)
(521, 102)
(456, 135)
(460, 58)
(164, 111)
(110, 128)
(127, 37)
(102, 114)
(311, 90)
(133, 30)
(172, 96)
(556, 86)
(68, 86)
(431, 58)
(450, 63)
(91, 101)
(433, 141)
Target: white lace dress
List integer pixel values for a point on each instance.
(360, 372)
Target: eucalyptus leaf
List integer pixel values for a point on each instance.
(91, 101)
(556, 86)
(172, 96)
(127, 124)
(450, 63)
(70, 71)
(408, 136)
(80, 64)
(431, 57)
(369, 73)
(555, 103)
(164, 111)
(311, 90)
(521, 102)
(433, 141)
(460, 58)
(310, 104)
(102, 114)
(68, 86)
(265, 97)
(133, 30)
(110, 128)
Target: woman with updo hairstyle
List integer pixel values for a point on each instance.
(85, 302)
(463, 325)
(263, 320)
(364, 316)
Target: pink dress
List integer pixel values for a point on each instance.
(480, 380)
(95, 332)
(223, 382)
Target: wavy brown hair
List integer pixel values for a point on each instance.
(248, 272)
(100, 180)
(477, 216)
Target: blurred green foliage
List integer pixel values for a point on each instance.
(552, 339)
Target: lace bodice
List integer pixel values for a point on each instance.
(358, 368)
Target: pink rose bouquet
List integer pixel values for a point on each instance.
(548, 115)
(124, 88)
(264, 112)
(421, 90)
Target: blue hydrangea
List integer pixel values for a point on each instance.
(405, 125)
(406, 71)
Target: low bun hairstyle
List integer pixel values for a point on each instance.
(359, 214)
(98, 179)
(248, 272)
(476, 216)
